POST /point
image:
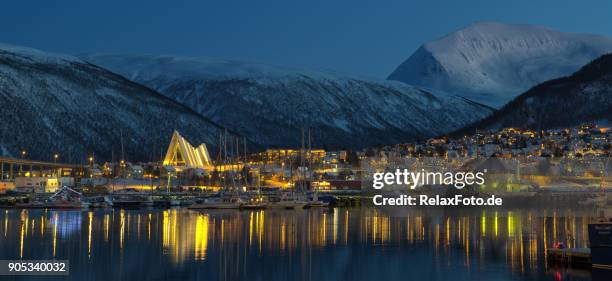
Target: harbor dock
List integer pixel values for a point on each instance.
(573, 257)
(597, 256)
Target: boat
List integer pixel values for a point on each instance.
(97, 202)
(293, 204)
(31, 205)
(285, 201)
(256, 202)
(128, 200)
(167, 201)
(600, 200)
(66, 204)
(186, 202)
(233, 202)
(600, 241)
(316, 203)
(64, 198)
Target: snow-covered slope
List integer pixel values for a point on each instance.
(585, 96)
(52, 103)
(492, 62)
(271, 104)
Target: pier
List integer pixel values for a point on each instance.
(14, 167)
(574, 257)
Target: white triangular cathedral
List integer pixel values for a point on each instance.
(182, 154)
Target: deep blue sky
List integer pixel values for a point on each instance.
(363, 37)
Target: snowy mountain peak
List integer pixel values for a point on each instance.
(493, 62)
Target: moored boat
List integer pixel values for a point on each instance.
(64, 198)
(314, 202)
(600, 240)
(127, 200)
(233, 202)
(167, 202)
(285, 201)
(256, 202)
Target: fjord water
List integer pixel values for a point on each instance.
(316, 244)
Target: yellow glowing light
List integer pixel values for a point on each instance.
(90, 215)
(201, 237)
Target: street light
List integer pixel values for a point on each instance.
(55, 157)
(23, 153)
(91, 161)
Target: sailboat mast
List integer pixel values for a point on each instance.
(122, 149)
(309, 149)
(302, 160)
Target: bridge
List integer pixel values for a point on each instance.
(15, 167)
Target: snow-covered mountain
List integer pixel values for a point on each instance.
(53, 103)
(585, 96)
(272, 104)
(492, 63)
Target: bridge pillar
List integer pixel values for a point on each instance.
(11, 172)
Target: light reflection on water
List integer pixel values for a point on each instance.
(337, 244)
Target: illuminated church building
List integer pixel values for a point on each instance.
(181, 155)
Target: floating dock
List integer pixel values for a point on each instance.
(597, 256)
(574, 257)
(600, 240)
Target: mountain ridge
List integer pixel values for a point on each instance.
(585, 96)
(342, 111)
(492, 62)
(54, 103)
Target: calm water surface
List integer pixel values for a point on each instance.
(331, 244)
